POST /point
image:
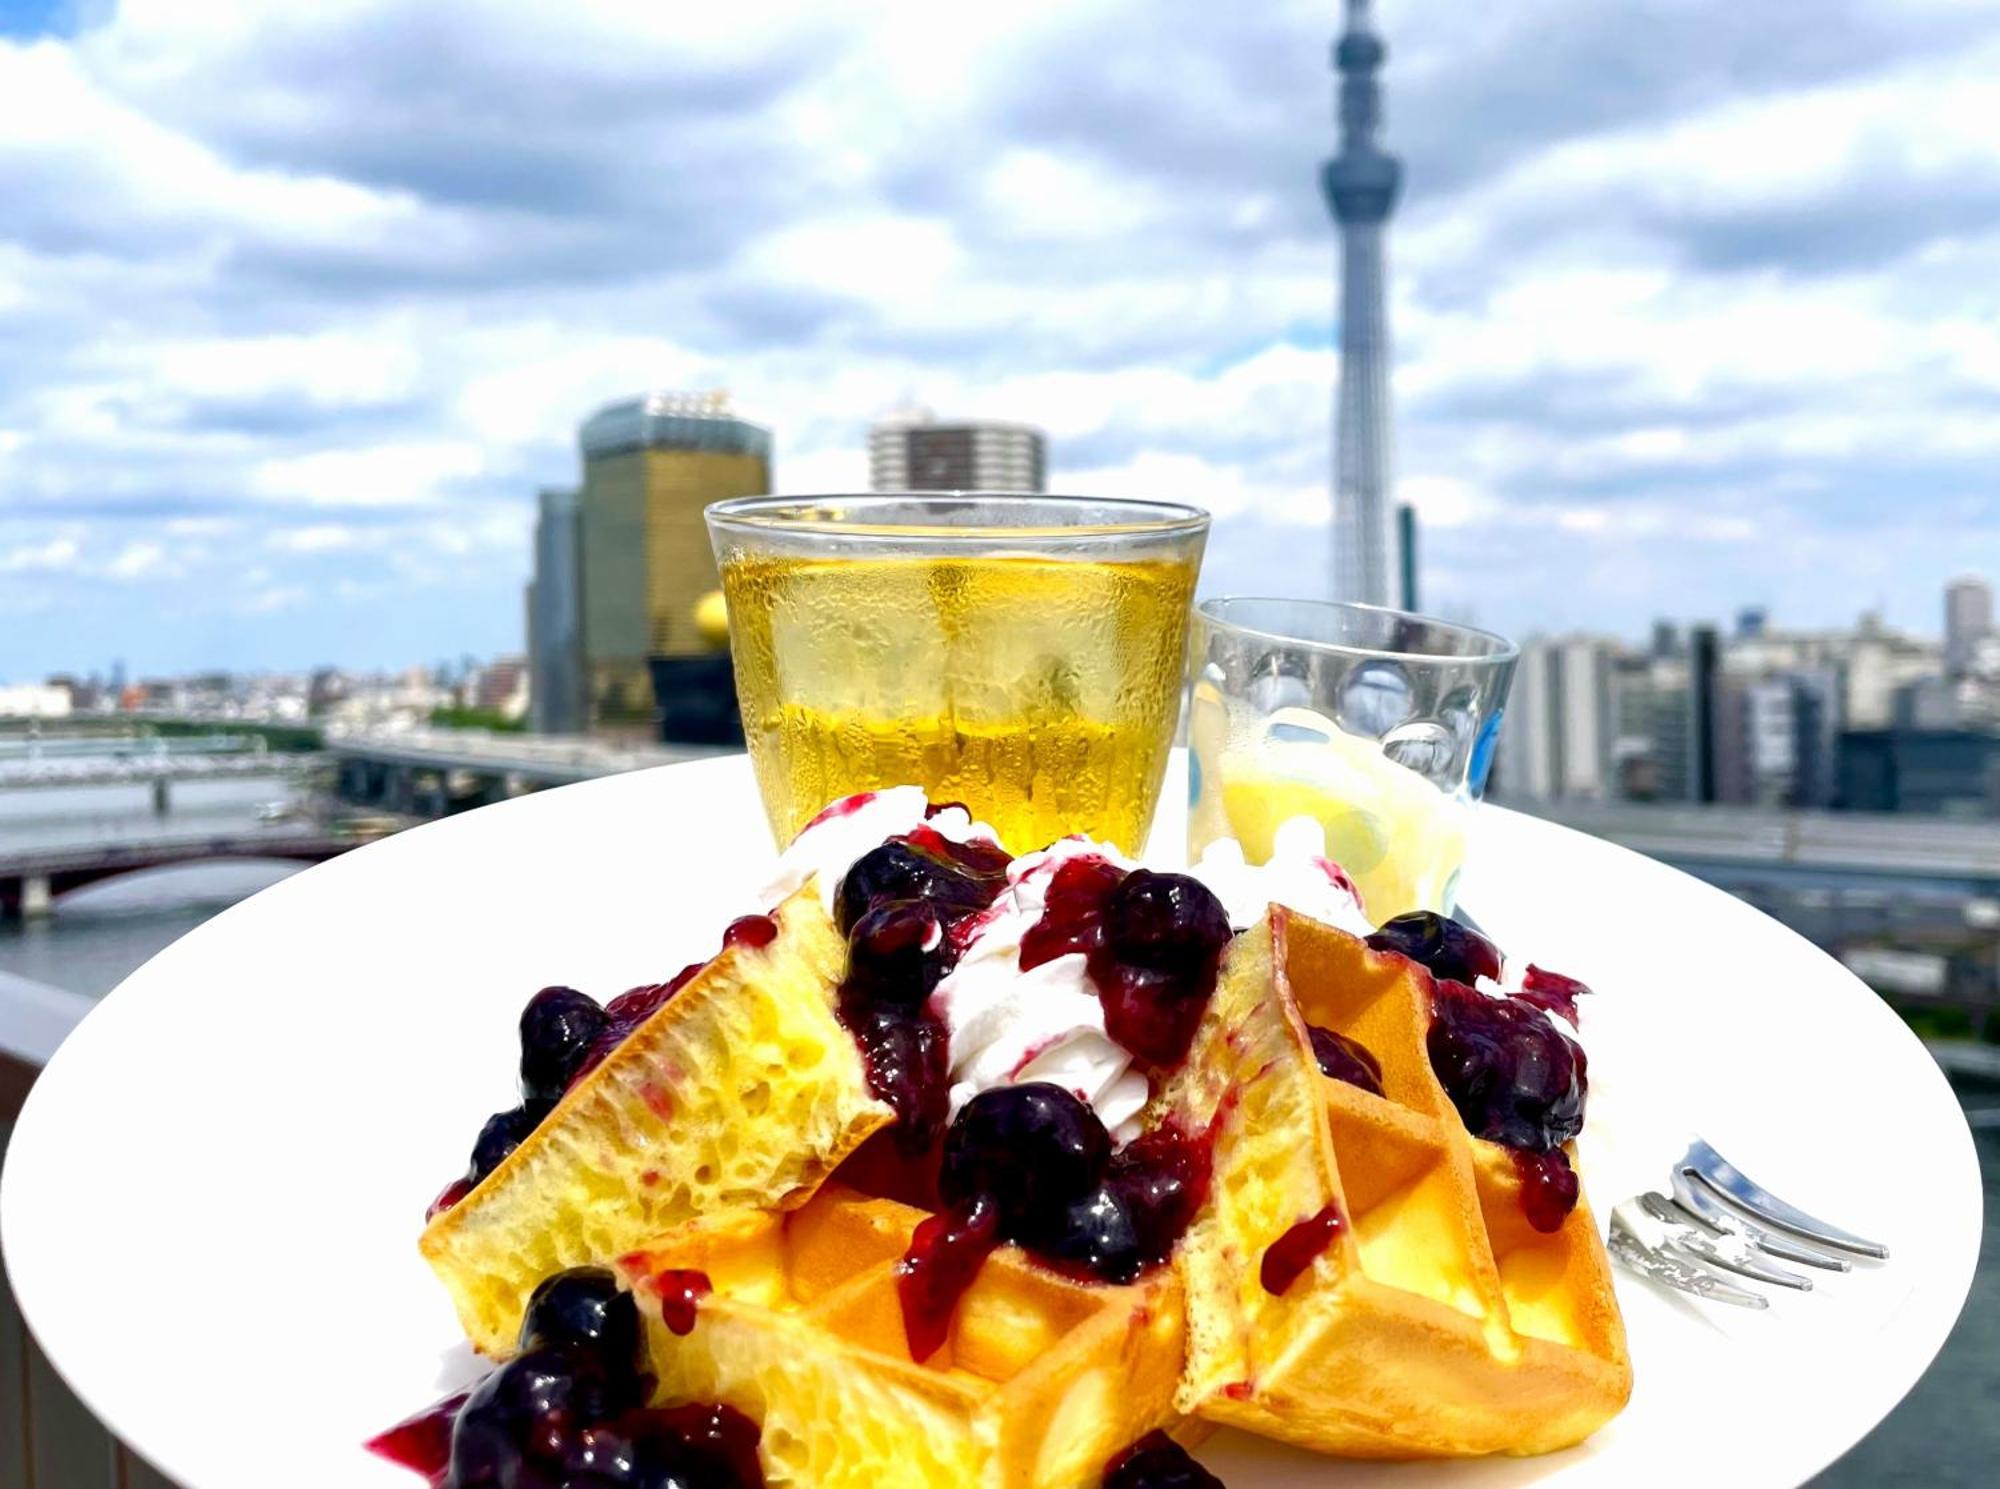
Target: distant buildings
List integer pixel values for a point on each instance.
(1561, 721)
(1866, 718)
(1968, 619)
(559, 699)
(650, 465)
(915, 451)
(623, 562)
(34, 700)
(1950, 772)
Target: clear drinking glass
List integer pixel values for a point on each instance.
(1376, 725)
(1023, 655)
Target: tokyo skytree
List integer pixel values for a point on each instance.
(1360, 185)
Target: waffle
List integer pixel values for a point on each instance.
(743, 1090)
(1438, 1322)
(1041, 1381)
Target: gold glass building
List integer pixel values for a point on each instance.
(649, 467)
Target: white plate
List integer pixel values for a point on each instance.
(213, 1196)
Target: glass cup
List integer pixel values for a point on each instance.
(1372, 727)
(1023, 655)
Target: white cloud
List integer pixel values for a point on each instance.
(323, 291)
(55, 554)
(136, 560)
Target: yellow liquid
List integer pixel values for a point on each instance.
(1040, 692)
(1399, 837)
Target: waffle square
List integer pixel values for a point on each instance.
(1438, 1322)
(743, 1090)
(1041, 1381)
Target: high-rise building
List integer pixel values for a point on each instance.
(916, 451)
(1968, 616)
(1361, 183)
(1705, 697)
(558, 703)
(649, 467)
(1561, 719)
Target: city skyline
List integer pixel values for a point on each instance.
(1689, 312)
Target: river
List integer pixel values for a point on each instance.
(98, 935)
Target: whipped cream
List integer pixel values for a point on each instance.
(1044, 1024)
(1298, 876)
(827, 847)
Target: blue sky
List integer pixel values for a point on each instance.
(1696, 304)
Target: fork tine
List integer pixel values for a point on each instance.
(1697, 1198)
(1731, 1184)
(1634, 1241)
(1717, 1246)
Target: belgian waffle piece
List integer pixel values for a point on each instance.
(741, 1090)
(1364, 1280)
(793, 1319)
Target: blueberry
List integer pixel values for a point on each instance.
(1033, 1148)
(1094, 1235)
(896, 953)
(899, 870)
(1165, 921)
(585, 1310)
(1440, 943)
(1156, 1461)
(1161, 1179)
(502, 1134)
(525, 1417)
(1513, 1077)
(558, 1027)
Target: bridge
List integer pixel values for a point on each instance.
(1911, 904)
(147, 768)
(155, 761)
(32, 877)
(1832, 851)
(434, 773)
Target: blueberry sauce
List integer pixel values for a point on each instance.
(450, 1195)
(569, 1412)
(945, 1255)
(752, 931)
(1516, 1080)
(1298, 1248)
(897, 905)
(422, 1443)
(1548, 1187)
(681, 1292)
(1156, 1461)
(1551, 991)
(1346, 1059)
(1153, 944)
(1447, 948)
(1033, 1165)
(845, 806)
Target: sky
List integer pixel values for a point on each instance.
(1695, 304)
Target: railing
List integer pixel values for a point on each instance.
(48, 1438)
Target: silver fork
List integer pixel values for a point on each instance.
(1718, 1220)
